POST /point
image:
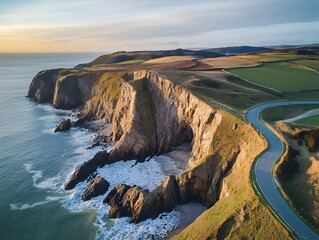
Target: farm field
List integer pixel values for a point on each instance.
(302, 95)
(169, 59)
(230, 62)
(284, 112)
(314, 120)
(221, 88)
(280, 76)
(309, 63)
(273, 57)
(132, 61)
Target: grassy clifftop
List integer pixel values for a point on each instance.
(239, 213)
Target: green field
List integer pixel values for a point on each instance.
(221, 88)
(284, 112)
(132, 61)
(302, 95)
(314, 120)
(312, 64)
(281, 76)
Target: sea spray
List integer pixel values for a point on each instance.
(147, 175)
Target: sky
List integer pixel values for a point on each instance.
(107, 26)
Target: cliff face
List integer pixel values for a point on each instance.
(63, 88)
(181, 117)
(103, 96)
(43, 85)
(133, 123)
(151, 115)
(299, 169)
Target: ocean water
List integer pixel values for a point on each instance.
(34, 163)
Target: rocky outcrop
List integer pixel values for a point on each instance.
(67, 94)
(42, 86)
(114, 199)
(150, 115)
(298, 169)
(63, 88)
(63, 126)
(98, 186)
(133, 123)
(181, 117)
(302, 133)
(203, 183)
(104, 96)
(141, 204)
(153, 115)
(83, 171)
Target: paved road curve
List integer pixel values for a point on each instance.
(264, 177)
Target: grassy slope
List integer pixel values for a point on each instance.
(123, 56)
(281, 76)
(238, 214)
(271, 57)
(230, 62)
(132, 61)
(242, 215)
(219, 87)
(312, 64)
(302, 95)
(285, 112)
(302, 189)
(314, 120)
(107, 87)
(106, 90)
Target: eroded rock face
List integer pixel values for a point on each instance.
(181, 117)
(150, 115)
(307, 134)
(114, 199)
(98, 186)
(133, 124)
(63, 126)
(42, 87)
(141, 204)
(67, 94)
(64, 88)
(83, 171)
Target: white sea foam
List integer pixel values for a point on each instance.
(24, 206)
(147, 175)
(150, 229)
(48, 131)
(52, 183)
(36, 174)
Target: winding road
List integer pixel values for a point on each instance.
(265, 179)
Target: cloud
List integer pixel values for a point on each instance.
(126, 23)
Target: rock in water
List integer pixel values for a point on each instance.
(98, 186)
(140, 204)
(116, 195)
(162, 199)
(114, 200)
(83, 171)
(63, 126)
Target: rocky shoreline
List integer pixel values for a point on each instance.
(149, 115)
